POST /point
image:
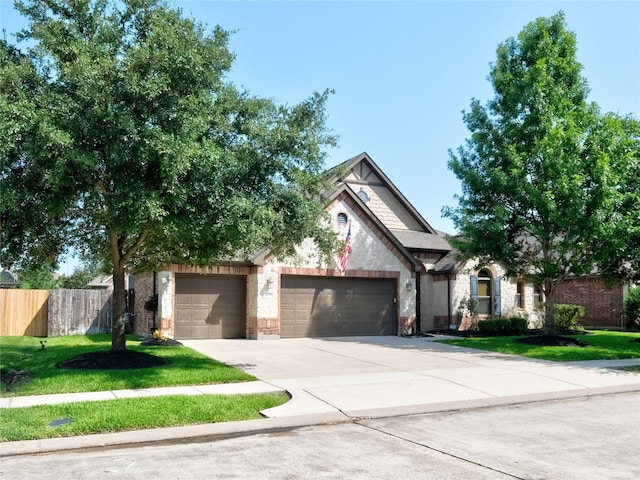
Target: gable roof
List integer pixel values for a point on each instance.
(447, 264)
(401, 241)
(345, 194)
(417, 234)
(421, 240)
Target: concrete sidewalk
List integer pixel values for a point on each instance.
(217, 389)
(344, 379)
(385, 376)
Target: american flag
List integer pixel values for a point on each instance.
(346, 252)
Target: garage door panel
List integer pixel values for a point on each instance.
(321, 306)
(210, 306)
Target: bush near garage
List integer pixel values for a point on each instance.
(503, 326)
(519, 325)
(567, 316)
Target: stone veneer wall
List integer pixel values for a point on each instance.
(435, 314)
(373, 256)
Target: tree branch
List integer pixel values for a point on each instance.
(136, 245)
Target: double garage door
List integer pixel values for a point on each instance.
(336, 306)
(214, 306)
(210, 306)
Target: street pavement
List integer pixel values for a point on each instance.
(587, 438)
(336, 380)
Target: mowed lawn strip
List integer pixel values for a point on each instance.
(603, 345)
(86, 418)
(186, 366)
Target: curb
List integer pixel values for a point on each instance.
(219, 431)
(169, 435)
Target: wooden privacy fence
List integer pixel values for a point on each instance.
(41, 313)
(23, 312)
(79, 312)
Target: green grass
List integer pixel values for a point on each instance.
(131, 414)
(603, 345)
(186, 366)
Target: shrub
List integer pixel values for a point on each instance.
(519, 325)
(566, 316)
(632, 306)
(487, 327)
(503, 325)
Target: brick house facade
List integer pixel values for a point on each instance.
(419, 286)
(602, 303)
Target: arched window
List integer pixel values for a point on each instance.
(486, 291)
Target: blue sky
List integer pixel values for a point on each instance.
(404, 71)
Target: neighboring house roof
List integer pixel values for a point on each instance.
(101, 281)
(8, 279)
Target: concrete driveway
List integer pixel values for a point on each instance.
(359, 377)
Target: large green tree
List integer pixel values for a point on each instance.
(545, 177)
(122, 137)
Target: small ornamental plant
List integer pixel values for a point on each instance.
(158, 336)
(159, 339)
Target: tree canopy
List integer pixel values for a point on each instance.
(122, 137)
(549, 184)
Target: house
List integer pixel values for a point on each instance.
(267, 297)
(402, 278)
(8, 279)
(101, 282)
(453, 283)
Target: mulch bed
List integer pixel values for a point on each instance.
(536, 338)
(14, 378)
(153, 342)
(113, 360)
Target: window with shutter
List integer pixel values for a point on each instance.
(497, 299)
(485, 293)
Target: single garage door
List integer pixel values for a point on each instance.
(330, 307)
(210, 306)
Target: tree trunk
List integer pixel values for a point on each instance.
(118, 339)
(549, 307)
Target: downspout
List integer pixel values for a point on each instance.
(155, 296)
(449, 299)
(418, 300)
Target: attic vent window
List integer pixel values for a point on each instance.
(342, 218)
(363, 196)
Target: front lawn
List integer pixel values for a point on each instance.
(603, 345)
(37, 365)
(86, 418)
(29, 367)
